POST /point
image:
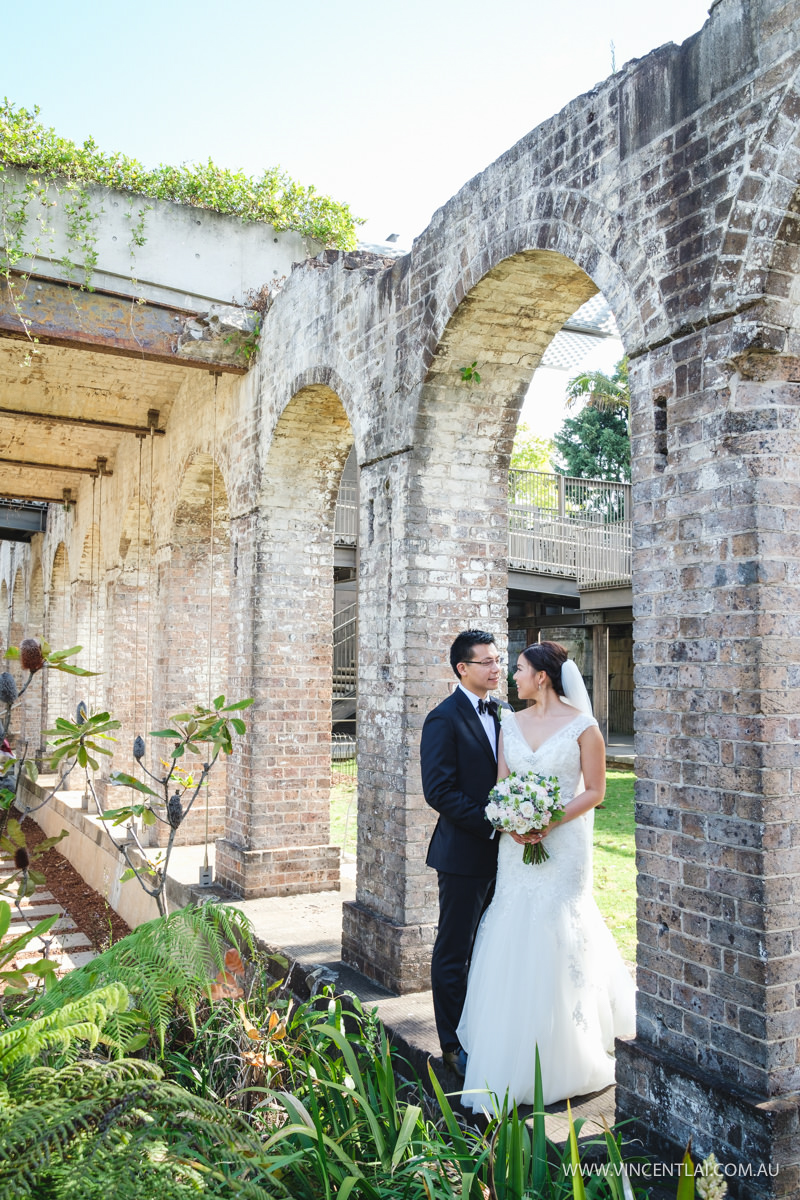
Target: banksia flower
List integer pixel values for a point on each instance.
(81, 713)
(174, 810)
(8, 688)
(21, 858)
(30, 655)
(138, 747)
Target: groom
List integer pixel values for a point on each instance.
(458, 754)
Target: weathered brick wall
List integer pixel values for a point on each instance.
(671, 187)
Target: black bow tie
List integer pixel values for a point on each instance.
(487, 706)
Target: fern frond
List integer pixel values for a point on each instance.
(81, 1020)
(165, 964)
(93, 1129)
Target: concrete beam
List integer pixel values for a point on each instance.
(60, 314)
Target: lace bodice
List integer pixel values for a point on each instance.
(559, 755)
(568, 871)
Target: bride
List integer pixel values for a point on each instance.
(545, 969)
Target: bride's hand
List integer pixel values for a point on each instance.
(536, 835)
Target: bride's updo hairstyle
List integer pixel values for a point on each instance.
(549, 657)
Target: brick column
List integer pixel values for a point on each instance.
(277, 823)
(715, 583)
(433, 561)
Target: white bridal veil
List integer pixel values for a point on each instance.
(575, 692)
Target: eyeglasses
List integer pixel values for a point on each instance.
(483, 662)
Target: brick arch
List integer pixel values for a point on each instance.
(16, 632)
(326, 378)
(4, 614)
(17, 618)
(193, 478)
(759, 255)
(575, 228)
(448, 500)
(88, 608)
(191, 642)
(135, 537)
(34, 706)
(281, 797)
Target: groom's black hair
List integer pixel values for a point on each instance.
(461, 649)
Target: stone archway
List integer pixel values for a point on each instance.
(191, 658)
(278, 821)
(434, 560)
(16, 632)
(35, 699)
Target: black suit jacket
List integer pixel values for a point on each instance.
(458, 772)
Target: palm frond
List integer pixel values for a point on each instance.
(604, 392)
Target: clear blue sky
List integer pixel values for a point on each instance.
(390, 107)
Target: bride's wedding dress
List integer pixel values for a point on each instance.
(545, 968)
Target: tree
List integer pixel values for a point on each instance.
(531, 453)
(595, 445)
(606, 393)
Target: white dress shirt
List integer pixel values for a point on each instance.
(486, 719)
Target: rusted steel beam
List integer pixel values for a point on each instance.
(56, 419)
(39, 466)
(6, 495)
(60, 314)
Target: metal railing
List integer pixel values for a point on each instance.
(557, 525)
(598, 500)
(604, 554)
(620, 710)
(345, 643)
(574, 528)
(345, 529)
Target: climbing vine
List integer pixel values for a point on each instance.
(41, 172)
(38, 165)
(274, 197)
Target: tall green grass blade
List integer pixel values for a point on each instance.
(578, 1190)
(412, 1115)
(627, 1190)
(453, 1127)
(613, 1174)
(541, 1171)
(686, 1185)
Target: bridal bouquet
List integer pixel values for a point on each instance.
(523, 803)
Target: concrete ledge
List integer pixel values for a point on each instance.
(90, 852)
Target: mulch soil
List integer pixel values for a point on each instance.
(90, 911)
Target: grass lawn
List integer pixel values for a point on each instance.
(614, 852)
(615, 861)
(343, 809)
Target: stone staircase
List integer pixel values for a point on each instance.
(69, 947)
